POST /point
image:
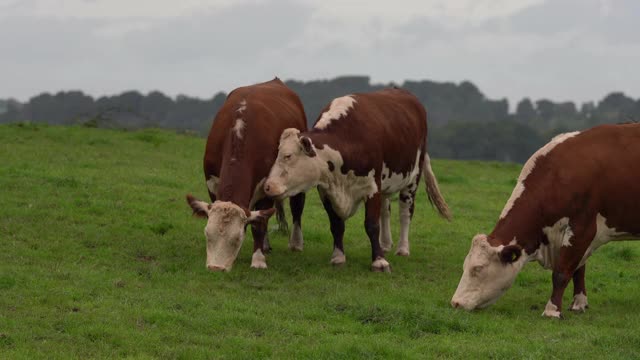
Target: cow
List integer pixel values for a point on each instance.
(241, 147)
(364, 147)
(576, 193)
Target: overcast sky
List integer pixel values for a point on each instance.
(575, 50)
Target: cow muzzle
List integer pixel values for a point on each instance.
(273, 190)
(216, 268)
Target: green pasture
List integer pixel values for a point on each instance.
(100, 258)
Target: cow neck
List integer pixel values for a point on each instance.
(321, 139)
(236, 175)
(523, 223)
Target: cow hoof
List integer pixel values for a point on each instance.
(386, 247)
(551, 311)
(402, 252)
(258, 260)
(255, 265)
(338, 258)
(579, 303)
(296, 240)
(380, 265)
(295, 247)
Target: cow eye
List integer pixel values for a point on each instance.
(287, 157)
(476, 270)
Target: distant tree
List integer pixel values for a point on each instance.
(525, 112)
(614, 108)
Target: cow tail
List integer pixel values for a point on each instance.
(282, 219)
(433, 191)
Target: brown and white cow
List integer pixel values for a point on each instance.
(241, 147)
(575, 194)
(363, 147)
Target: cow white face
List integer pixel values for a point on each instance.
(297, 167)
(225, 229)
(488, 272)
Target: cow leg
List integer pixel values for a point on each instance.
(372, 227)
(568, 263)
(260, 237)
(406, 204)
(337, 230)
(386, 241)
(296, 203)
(579, 303)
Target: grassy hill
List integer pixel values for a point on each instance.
(100, 258)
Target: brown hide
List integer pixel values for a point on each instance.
(241, 162)
(387, 126)
(594, 172)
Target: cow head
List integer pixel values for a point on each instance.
(225, 229)
(488, 272)
(297, 167)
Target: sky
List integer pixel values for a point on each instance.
(564, 50)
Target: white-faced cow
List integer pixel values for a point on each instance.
(241, 147)
(363, 147)
(575, 194)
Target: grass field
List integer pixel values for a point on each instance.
(100, 258)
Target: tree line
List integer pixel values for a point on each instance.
(463, 122)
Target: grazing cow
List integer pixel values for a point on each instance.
(363, 147)
(241, 147)
(575, 194)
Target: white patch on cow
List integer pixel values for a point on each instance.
(212, 184)
(339, 107)
(550, 310)
(242, 106)
(296, 242)
(405, 222)
(579, 303)
(239, 127)
(345, 191)
(392, 183)
(258, 260)
(485, 277)
(530, 165)
(559, 235)
(338, 257)
(386, 241)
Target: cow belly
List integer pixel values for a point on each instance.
(347, 194)
(392, 182)
(604, 234)
(396, 183)
(560, 235)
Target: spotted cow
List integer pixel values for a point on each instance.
(362, 148)
(575, 194)
(241, 147)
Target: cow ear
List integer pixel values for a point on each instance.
(260, 215)
(307, 146)
(287, 133)
(200, 208)
(510, 254)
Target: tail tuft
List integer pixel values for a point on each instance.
(283, 226)
(433, 191)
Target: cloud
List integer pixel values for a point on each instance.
(571, 49)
